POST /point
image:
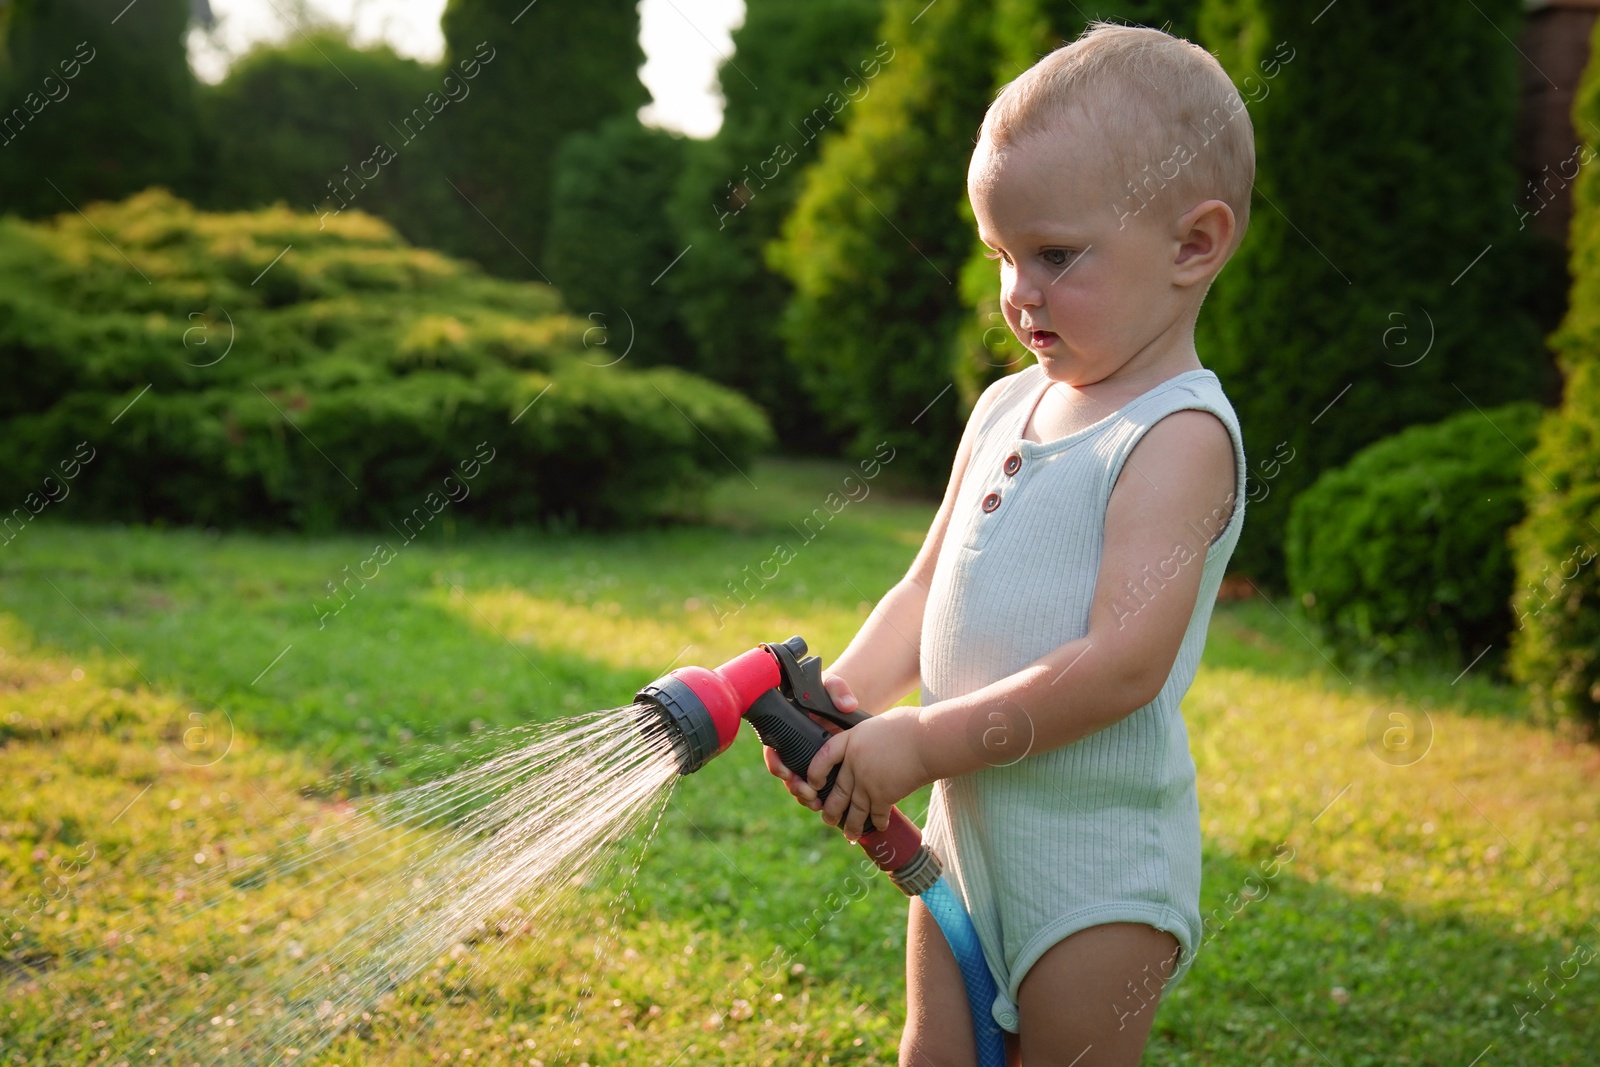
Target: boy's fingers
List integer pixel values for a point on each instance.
(833, 810)
(796, 785)
(839, 690)
(853, 822)
(880, 819)
(830, 753)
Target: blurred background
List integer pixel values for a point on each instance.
(378, 373)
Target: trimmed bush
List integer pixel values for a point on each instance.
(96, 101)
(1403, 550)
(255, 369)
(550, 70)
(591, 220)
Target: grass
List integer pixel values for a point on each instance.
(1426, 910)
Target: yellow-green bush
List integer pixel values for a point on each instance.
(268, 368)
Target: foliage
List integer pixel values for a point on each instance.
(1556, 653)
(98, 102)
(610, 241)
(1403, 549)
(1358, 303)
(552, 70)
(874, 245)
(271, 368)
(290, 123)
(815, 63)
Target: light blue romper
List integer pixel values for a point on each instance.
(1106, 829)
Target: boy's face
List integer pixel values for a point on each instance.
(1086, 290)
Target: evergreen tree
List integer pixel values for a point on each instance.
(876, 240)
(550, 70)
(1555, 646)
(1383, 281)
(610, 241)
(799, 70)
(272, 135)
(98, 102)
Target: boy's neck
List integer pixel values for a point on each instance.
(1062, 408)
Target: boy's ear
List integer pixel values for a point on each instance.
(1204, 235)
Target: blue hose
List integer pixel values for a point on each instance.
(953, 919)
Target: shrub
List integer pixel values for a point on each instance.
(339, 385)
(550, 70)
(1403, 550)
(817, 61)
(592, 219)
(97, 101)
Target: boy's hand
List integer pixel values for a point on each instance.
(843, 699)
(880, 764)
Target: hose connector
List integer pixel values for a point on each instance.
(918, 875)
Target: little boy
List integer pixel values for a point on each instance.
(1056, 612)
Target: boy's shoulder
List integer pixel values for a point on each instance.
(995, 392)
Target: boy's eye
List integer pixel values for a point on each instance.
(1057, 257)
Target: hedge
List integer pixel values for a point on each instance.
(266, 368)
(1403, 550)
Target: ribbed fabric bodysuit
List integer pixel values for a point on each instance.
(1106, 829)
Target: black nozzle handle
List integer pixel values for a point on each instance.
(793, 735)
(802, 683)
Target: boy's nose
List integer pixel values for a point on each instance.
(1022, 296)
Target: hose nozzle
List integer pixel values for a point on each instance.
(778, 688)
(699, 709)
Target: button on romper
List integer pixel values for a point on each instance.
(1106, 829)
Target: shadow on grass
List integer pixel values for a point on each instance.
(1309, 974)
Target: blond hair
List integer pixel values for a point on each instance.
(1173, 121)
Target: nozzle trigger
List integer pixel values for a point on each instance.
(802, 683)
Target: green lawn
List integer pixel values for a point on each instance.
(1422, 912)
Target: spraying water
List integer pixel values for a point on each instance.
(426, 870)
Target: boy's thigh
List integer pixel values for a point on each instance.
(938, 1029)
(1090, 999)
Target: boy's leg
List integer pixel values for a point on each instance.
(1089, 1001)
(938, 1029)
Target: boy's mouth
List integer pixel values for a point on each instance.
(1042, 338)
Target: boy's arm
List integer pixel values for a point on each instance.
(1175, 492)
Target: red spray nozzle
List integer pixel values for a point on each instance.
(700, 708)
